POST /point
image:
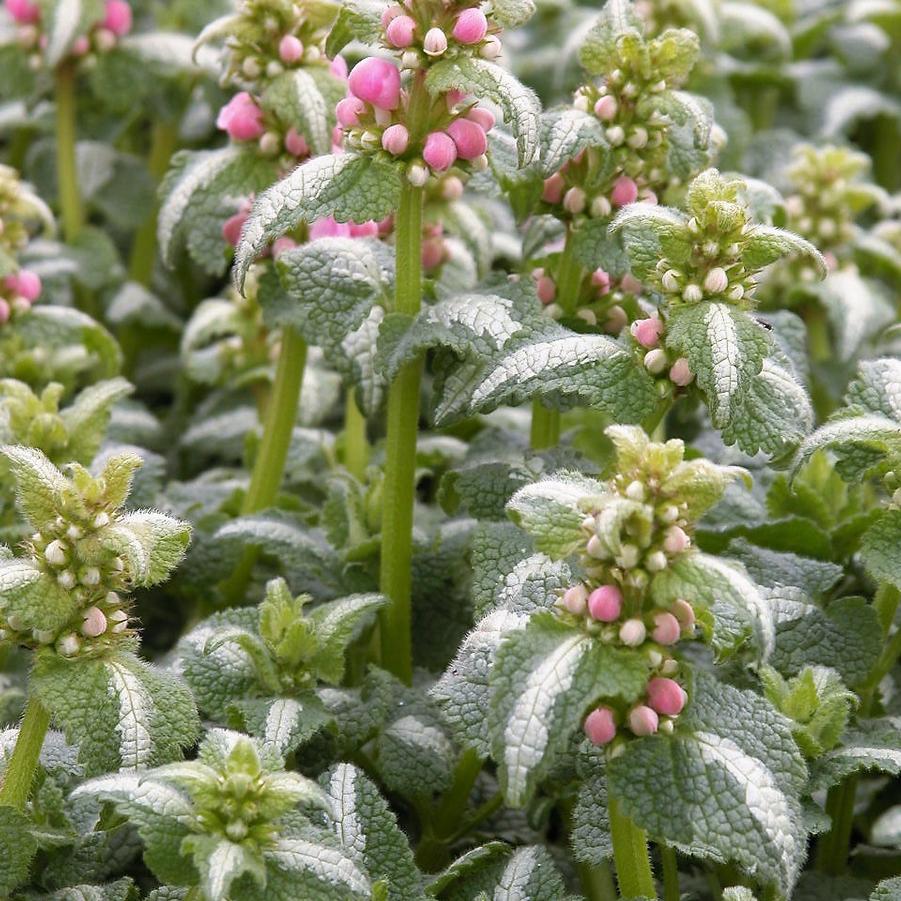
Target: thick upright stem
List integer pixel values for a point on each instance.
(400, 451)
(269, 466)
(670, 873)
(66, 169)
(597, 882)
(19, 774)
(356, 445)
(630, 854)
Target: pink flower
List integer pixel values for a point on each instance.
(605, 603)
(483, 116)
(454, 96)
(435, 42)
(680, 373)
(25, 13)
(451, 188)
(368, 229)
(647, 332)
(600, 726)
(574, 200)
(400, 31)
(24, 283)
(338, 67)
(630, 284)
(241, 118)
(280, 245)
(396, 138)
(232, 227)
(643, 720)
(666, 629)
(675, 541)
(4, 311)
(632, 633)
(439, 151)
(117, 17)
(471, 26)
(553, 188)
(376, 81)
(624, 191)
(329, 228)
(290, 49)
(666, 696)
(574, 599)
(296, 144)
(348, 111)
(600, 280)
(433, 253)
(94, 623)
(606, 108)
(80, 46)
(390, 13)
(469, 138)
(546, 289)
(685, 613)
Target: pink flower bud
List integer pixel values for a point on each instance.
(831, 260)
(605, 603)
(400, 31)
(433, 253)
(241, 118)
(231, 229)
(684, 612)
(117, 17)
(439, 151)
(666, 629)
(484, 117)
(632, 633)
(348, 111)
(492, 48)
(600, 280)
(338, 67)
(624, 191)
(25, 283)
(575, 598)
(606, 108)
(280, 245)
(469, 138)
(296, 144)
(94, 623)
(368, 229)
(600, 726)
(290, 49)
(546, 289)
(396, 138)
(390, 13)
(680, 373)
(643, 720)
(666, 696)
(80, 46)
(647, 332)
(329, 228)
(24, 11)
(630, 284)
(471, 26)
(377, 81)
(675, 541)
(451, 188)
(574, 200)
(4, 311)
(649, 197)
(553, 188)
(435, 42)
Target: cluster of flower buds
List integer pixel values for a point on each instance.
(17, 293)
(21, 210)
(828, 194)
(102, 37)
(647, 333)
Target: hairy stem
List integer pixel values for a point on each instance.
(269, 466)
(630, 854)
(597, 882)
(24, 761)
(356, 445)
(670, 873)
(66, 169)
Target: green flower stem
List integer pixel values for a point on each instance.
(269, 466)
(24, 761)
(395, 580)
(630, 854)
(597, 882)
(885, 152)
(670, 873)
(545, 431)
(66, 169)
(163, 142)
(356, 446)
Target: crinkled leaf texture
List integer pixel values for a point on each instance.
(871, 745)
(18, 848)
(119, 710)
(729, 778)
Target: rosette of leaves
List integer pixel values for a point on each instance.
(65, 596)
(704, 264)
(235, 824)
(261, 668)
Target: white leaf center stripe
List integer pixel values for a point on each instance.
(343, 790)
(764, 800)
(327, 864)
(724, 354)
(484, 316)
(135, 712)
(414, 732)
(281, 718)
(514, 882)
(224, 862)
(526, 734)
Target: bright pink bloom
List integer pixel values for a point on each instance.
(25, 13)
(280, 245)
(296, 144)
(469, 138)
(680, 373)
(666, 629)
(624, 191)
(484, 117)
(329, 228)
(80, 46)
(396, 138)
(605, 603)
(25, 283)
(643, 720)
(435, 42)
(600, 279)
(666, 696)
(377, 81)
(117, 17)
(433, 252)
(348, 111)
(454, 96)
(241, 118)
(439, 151)
(553, 188)
(390, 13)
(546, 289)
(471, 26)
(400, 31)
(290, 49)
(606, 108)
(4, 311)
(232, 227)
(368, 229)
(338, 67)
(647, 332)
(600, 726)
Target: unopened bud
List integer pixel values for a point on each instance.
(647, 331)
(94, 623)
(595, 548)
(692, 293)
(628, 556)
(68, 645)
(615, 135)
(638, 138)
(635, 490)
(574, 200)
(575, 599)
(251, 68)
(656, 561)
(605, 603)
(716, 281)
(666, 696)
(417, 174)
(435, 42)
(600, 207)
(666, 629)
(492, 48)
(684, 612)
(670, 281)
(73, 532)
(643, 720)
(101, 520)
(66, 579)
(680, 373)
(606, 108)
(736, 292)
(600, 726)
(655, 361)
(675, 541)
(632, 633)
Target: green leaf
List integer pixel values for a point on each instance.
(729, 778)
(520, 105)
(880, 548)
(512, 13)
(151, 543)
(543, 682)
(764, 244)
(87, 417)
(335, 625)
(771, 568)
(347, 187)
(415, 755)
(650, 233)
(29, 595)
(366, 826)
(19, 848)
(871, 745)
(307, 867)
(590, 838)
(888, 890)
(565, 132)
(618, 19)
(359, 20)
(283, 723)
(40, 487)
(306, 99)
(63, 21)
